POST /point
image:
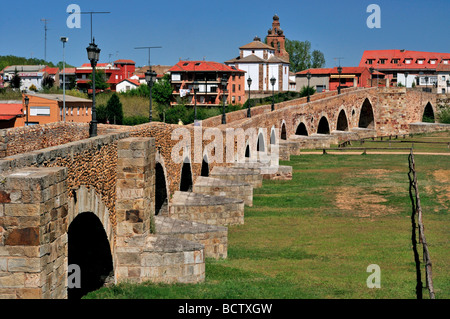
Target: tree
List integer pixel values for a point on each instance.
(301, 57)
(48, 82)
(114, 112)
(162, 91)
(318, 59)
(100, 80)
(16, 80)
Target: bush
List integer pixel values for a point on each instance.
(444, 114)
(135, 120)
(175, 113)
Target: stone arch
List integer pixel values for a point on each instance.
(247, 151)
(366, 118)
(342, 122)
(186, 176)
(89, 249)
(161, 186)
(301, 129)
(283, 133)
(260, 144)
(428, 113)
(324, 126)
(205, 166)
(273, 136)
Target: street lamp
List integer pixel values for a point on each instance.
(150, 78)
(64, 40)
(308, 75)
(272, 81)
(249, 82)
(339, 86)
(426, 83)
(406, 79)
(27, 100)
(93, 55)
(224, 83)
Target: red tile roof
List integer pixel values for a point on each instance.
(10, 110)
(345, 70)
(122, 61)
(201, 66)
(68, 71)
(50, 70)
(402, 55)
(135, 82)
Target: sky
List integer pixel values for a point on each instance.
(214, 30)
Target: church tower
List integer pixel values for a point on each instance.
(276, 39)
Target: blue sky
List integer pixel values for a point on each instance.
(214, 30)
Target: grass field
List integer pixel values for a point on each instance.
(315, 236)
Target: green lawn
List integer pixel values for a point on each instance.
(314, 236)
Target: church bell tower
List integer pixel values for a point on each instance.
(277, 40)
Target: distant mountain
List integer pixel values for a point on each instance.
(7, 60)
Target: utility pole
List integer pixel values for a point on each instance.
(45, 38)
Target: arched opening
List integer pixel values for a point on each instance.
(260, 144)
(161, 202)
(428, 114)
(205, 167)
(342, 123)
(324, 127)
(88, 247)
(272, 137)
(247, 151)
(283, 135)
(301, 129)
(366, 119)
(186, 177)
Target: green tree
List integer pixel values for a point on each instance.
(48, 82)
(100, 80)
(318, 59)
(114, 111)
(301, 57)
(162, 91)
(16, 80)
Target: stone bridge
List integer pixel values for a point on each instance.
(151, 202)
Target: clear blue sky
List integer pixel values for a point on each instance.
(215, 30)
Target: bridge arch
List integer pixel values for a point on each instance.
(283, 131)
(366, 117)
(273, 135)
(342, 122)
(90, 240)
(323, 126)
(261, 144)
(186, 180)
(301, 129)
(161, 186)
(205, 166)
(428, 113)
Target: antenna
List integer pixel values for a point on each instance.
(91, 13)
(149, 48)
(339, 58)
(45, 39)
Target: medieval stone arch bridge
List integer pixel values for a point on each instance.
(120, 206)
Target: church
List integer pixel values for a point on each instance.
(263, 61)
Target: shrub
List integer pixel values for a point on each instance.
(444, 114)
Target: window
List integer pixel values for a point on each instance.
(239, 98)
(408, 61)
(71, 110)
(233, 99)
(443, 78)
(382, 61)
(239, 87)
(370, 61)
(234, 88)
(445, 61)
(78, 110)
(420, 61)
(395, 61)
(39, 111)
(432, 61)
(176, 77)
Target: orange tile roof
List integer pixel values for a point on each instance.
(201, 66)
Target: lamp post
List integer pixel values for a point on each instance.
(308, 75)
(339, 86)
(371, 76)
(272, 81)
(249, 82)
(150, 78)
(426, 83)
(64, 40)
(93, 55)
(448, 84)
(224, 83)
(406, 79)
(27, 100)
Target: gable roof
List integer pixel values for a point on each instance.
(132, 81)
(9, 111)
(401, 55)
(256, 45)
(201, 66)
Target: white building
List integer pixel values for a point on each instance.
(443, 78)
(29, 74)
(127, 85)
(261, 62)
